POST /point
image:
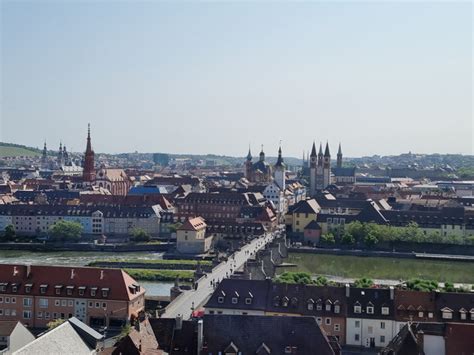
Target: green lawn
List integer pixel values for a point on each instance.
(159, 275)
(6, 151)
(382, 268)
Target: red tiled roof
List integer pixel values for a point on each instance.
(119, 284)
(193, 224)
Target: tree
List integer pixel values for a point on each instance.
(10, 233)
(422, 285)
(328, 238)
(348, 239)
(140, 235)
(363, 283)
(449, 287)
(65, 231)
(174, 227)
(370, 240)
(54, 323)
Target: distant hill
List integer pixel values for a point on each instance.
(15, 150)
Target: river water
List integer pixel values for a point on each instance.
(72, 258)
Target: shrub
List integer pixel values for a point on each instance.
(140, 235)
(422, 285)
(65, 231)
(363, 283)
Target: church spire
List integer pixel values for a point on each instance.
(313, 150)
(279, 162)
(326, 151)
(88, 173)
(339, 156)
(249, 155)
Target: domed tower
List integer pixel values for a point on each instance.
(248, 166)
(280, 171)
(88, 174)
(312, 170)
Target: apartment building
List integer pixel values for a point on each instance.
(36, 295)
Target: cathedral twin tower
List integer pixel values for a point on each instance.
(320, 168)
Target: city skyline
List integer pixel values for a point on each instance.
(202, 78)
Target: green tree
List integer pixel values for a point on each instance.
(356, 229)
(174, 227)
(422, 285)
(449, 287)
(10, 233)
(328, 238)
(54, 323)
(370, 240)
(140, 235)
(65, 231)
(363, 283)
(347, 239)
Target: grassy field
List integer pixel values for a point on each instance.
(382, 268)
(6, 151)
(148, 261)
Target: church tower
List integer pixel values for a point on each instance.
(248, 166)
(339, 157)
(44, 157)
(319, 169)
(88, 174)
(65, 156)
(280, 171)
(326, 167)
(312, 171)
(60, 155)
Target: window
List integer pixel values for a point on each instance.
(319, 320)
(430, 314)
(40, 315)
(105, 292)
(70, 303)
(14, 289)
(55, 315)
(220, 299)
(357, 324)
(13, 299)
(463, 316)
(46, 315)
(447, 315)
(234, 300)
(337, 327)
(93, 290)
(319, 306)
(81, 292)
(63, 303)
(104, 305)
(310, 306)
(356, 337)
(370, 310)
(328, 321)
(328, 307)
(1, 312)
(27, 302)
(27, 314)
(370, 329)
(43, 303)
(57, 303)
(337, 308)
(69, 291)
(13, 312)
(1, 299)
(382, 325)
(27, 289)
(7, 299)
(420, 314)
(385, 311)
(91, 304)
(357, 309)
(97, 305)
(382, 338)
(248, 300)
(7, 312)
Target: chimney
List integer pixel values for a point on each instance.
(392, 292)
(101, 274)
(348, 290)
(28, 271)
(15, 271)
(179, 322)
(200, 335)
(72, 274)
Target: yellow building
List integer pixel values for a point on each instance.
(301, 214)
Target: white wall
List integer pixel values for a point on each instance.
(434, 345)
(369, 328)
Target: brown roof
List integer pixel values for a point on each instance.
(119, 285)
(193, 224)
(6, 327)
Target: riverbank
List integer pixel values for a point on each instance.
(87, 247)
(381, 268)
(153, 264)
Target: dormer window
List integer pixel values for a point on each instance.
(472, 313)
(93, 291)
(69, 290)
(294, 302)
(370, 309)
(82, 290)
(28, 288)
(235, 300)
(337, 307)
(57, 289)
(328, 305)
(357, 308)
(276, 301)
(310, 304)
(248, 300)
(14, 288)
(385, 311)
(284, 301)
(3, 287)
(105, 292)
(220, 299)
(43, 289)
(319, 305)
(447, 313)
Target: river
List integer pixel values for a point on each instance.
(72, 258)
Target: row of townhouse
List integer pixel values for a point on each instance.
(36, 295)
(95, 220)
(366, 317)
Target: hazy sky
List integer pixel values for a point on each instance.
(195, 77)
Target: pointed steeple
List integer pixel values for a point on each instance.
(326, 151)
(320, 149)
(339, 156)
(279, 162)
(249, 155)
(88, 146)
(313, 150)
(262, 155)
(339, 151)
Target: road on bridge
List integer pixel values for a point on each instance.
(192, 299)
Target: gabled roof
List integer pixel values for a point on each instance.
(193, 224)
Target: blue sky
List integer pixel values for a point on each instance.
(196, 77)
